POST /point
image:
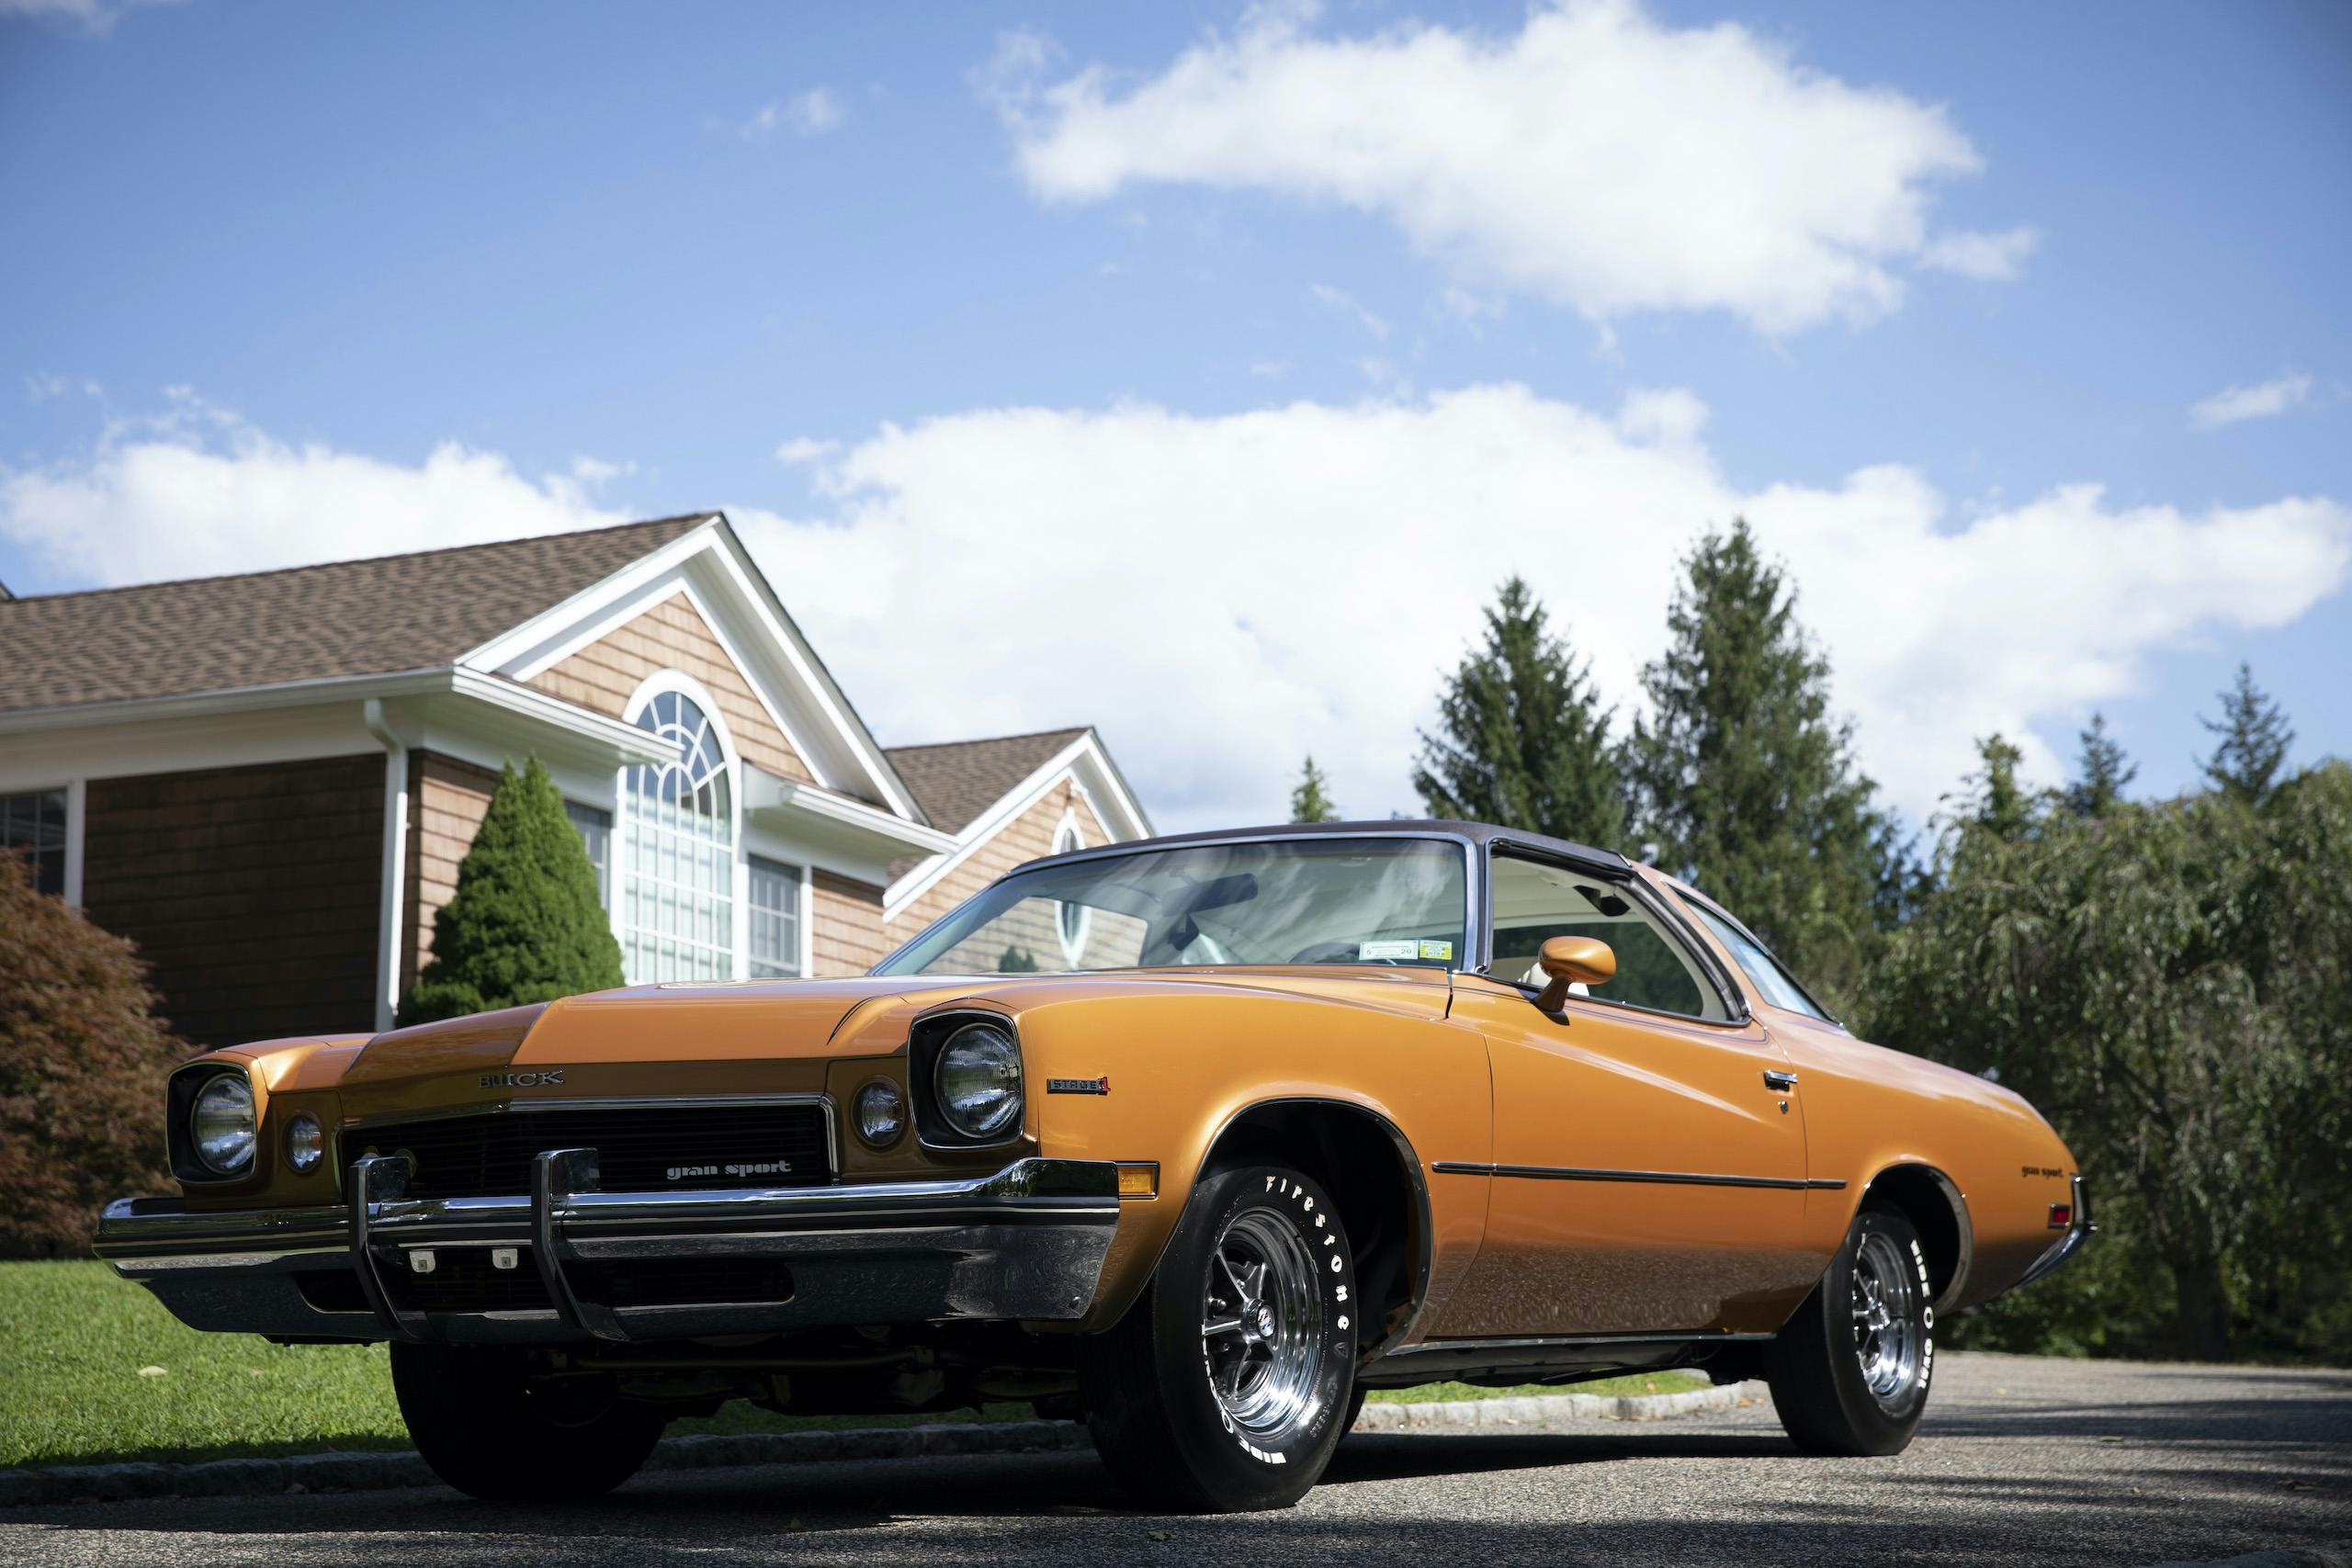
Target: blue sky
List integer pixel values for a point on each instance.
(1083, 350)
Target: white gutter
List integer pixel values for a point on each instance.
(392, 896)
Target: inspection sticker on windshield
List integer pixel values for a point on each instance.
(1403, 948)
(1441, 951)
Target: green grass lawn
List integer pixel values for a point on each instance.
(94, 1369)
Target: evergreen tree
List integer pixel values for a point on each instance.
(526, 924)
(1311, 801)
(1523, 740)
(1995, 801)
(1745, 783)
(2101, 773)
(2254, 743)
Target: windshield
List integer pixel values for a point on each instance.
(1319, 900)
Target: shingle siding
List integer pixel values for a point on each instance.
(671, 635)
(446, 801)
(252, 893)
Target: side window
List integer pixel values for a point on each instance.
(1778, 986)
(1534, 900)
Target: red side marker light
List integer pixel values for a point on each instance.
(2062, 1216)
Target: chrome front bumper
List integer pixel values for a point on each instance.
(1025, 1243)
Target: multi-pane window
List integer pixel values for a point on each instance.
(678, 916)
(595, 827)
(775, 917)
(33, 825)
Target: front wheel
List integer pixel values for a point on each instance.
(1849, 1371)
(487, 1428)
(1226, 1385)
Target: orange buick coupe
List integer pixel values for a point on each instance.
(1312, 1110)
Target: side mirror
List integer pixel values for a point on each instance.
(1574, 960)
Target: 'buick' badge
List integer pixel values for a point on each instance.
(1079, 1086)
(552, 1076)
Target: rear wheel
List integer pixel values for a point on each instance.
(1227, 1383)
(487, 1428)
(1850, 1372)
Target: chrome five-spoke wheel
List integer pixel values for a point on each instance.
(1260, 1324)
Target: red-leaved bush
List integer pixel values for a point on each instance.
(82, 1060)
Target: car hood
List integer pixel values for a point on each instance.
(706, 1023)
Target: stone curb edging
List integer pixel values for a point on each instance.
(714, 1451)
(1539, 1409)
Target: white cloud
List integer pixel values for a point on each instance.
(1596, 158)
(810, 113)
(1223, 595)
(802, 449)
(1339, 300)
(97, 17)
(1989, 258)
(198, 490)
(2265, 399)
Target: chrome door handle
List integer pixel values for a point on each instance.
(1779, 1082)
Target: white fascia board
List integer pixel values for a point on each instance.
(1083, 761)
(809, 812)
(295, 720)
(625, 741)
(224, 700)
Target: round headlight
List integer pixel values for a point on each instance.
(222, 1124)
(881, 1109)
(305, 1144)
(978, 1080)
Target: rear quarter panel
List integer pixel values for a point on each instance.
(1868, 1109)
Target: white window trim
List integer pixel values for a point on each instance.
(793, 861)
(623, 821)
(78, 793)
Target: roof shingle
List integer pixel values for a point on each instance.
(363, 617)
(957, 780)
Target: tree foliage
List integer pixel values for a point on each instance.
(526, 924)
(2254, 741)
(83, 1059)
(1523, 739)
(1747, 785)
(1310, 801)
(2167, 984)
(2102, 771)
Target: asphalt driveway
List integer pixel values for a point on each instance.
(2021, 1461)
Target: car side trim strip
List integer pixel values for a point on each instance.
(1669, 1177)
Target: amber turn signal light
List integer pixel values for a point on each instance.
(1138, 1180)
(2062, 1216)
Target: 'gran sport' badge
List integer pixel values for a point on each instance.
(552, 1076)
(1079, 1086)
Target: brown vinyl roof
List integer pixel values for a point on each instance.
(309, 623)
(957, 780)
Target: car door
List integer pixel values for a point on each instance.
(1648, 1160)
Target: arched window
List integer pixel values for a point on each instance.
(1072, 918)
(679, 920)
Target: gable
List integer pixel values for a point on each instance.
(671, 634)
(732, 623)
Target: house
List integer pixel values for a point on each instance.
(268, 780)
